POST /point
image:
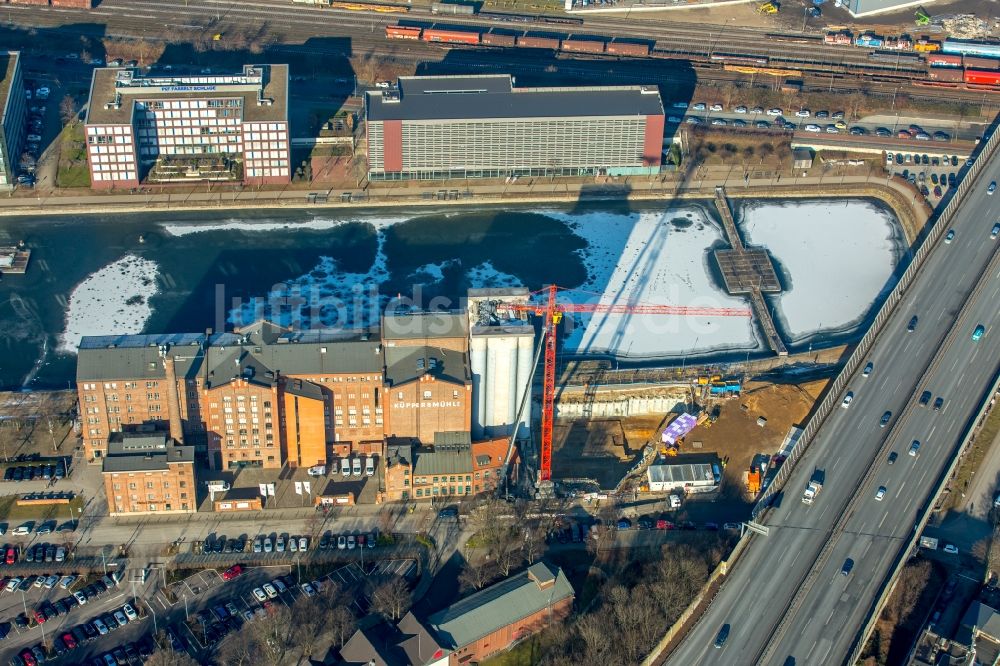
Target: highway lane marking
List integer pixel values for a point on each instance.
(901, 486)
(882, 522)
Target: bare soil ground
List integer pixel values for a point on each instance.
(37, 423)
(737, 438)
(600, 449)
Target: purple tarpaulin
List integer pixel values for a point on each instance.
(681, 426)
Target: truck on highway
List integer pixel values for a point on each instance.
(813, 488)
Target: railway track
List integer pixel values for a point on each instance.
(304, 29)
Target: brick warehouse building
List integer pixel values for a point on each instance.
(441, 127)
(166, 128)
(148, 473)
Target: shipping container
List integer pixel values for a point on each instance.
(400, 32)
(495, 39)
(538, 42)
(947, 74)
(583, 46)
(628, 49)
(449, 8)
(982, 77)
(450, 36)
(940, 60)
(976, 62)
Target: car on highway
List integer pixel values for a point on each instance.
(938, 403)
(722, 636)
(950, 236)
(914, 447)
(925, 398)
(868, 369)
(880, 493)
(885, 419)
(892, 457)
(802, 113)
(977, 334)
(912, 326)
(989, 190)
(950, 549)
(847, 400)
(848, 565)
(995, 231)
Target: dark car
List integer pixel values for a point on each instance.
(21, 621)
(912, 326)
(722, 636)
(885, 419)
(324, 542)
(9, 474)
(938, 404)
(925, 398)
(624, 524)
(448, 512)
(645, 523)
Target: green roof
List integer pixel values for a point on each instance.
(500, 605)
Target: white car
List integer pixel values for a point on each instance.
(81, 597)
(130, 612)
(847, 400)
(308, 590)
(351, 542)
(880, 494)
(381, 84)
(989, 190)
(303, 544)
(341, 542)
(774, 112)
(67, 581)
(102, 628)
(270, 591)
(813, 128)
(51, 581)
(120, 618)
(22, 530)
(951, 549)
(13, 583)
(740, 109)
(34, 138)
(802, 113)
(259, 594)
(715, 107)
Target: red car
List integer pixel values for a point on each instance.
(40, 616)
(28, 658)
(11, 556)
(69, 641)
(232, 572)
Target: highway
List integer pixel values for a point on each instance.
(762, 588)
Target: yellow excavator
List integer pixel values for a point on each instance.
(768, 8)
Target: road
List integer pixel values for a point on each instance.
(765, 581)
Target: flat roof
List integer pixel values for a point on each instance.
(681, 473)
(270, 82)
(480, 97)
(8, 66)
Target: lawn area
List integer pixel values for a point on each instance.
(73, 171)
(10, 512)
(525, 653)
(974, 458)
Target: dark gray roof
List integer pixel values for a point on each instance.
(492, 96)
(405, 364)
(429, 463)
(453, 439)
(421, 325)
(500, 605)
(147, 461)
(263, 347)
(409, 643)
(304, 389)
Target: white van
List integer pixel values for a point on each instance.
(345, 466)
(356, 466)
(675, 502)
(369, 466)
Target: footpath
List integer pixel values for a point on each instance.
(700, 185)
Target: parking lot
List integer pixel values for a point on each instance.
(933, 175)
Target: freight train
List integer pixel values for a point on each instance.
(358, 6)
(475, 37)
(870, 40)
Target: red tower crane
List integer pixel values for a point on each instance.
(552, 313)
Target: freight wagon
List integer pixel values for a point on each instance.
(975, 62)
(991, 50)
(628, 49)
(946, 74)
(401, 32)
(497, 39)
(538, 42)
(451, 8)
(583, 46)
(979, 77)
(894, 57)
(738, 60)
(940, 60)
(450, 36)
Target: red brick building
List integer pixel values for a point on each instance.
(492, 619)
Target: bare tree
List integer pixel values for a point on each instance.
(534, 543)
(237, 650)
(507, 554)
(391, 599)
(167, 657)
(67, 109)
(341, 624)
(476, 575)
